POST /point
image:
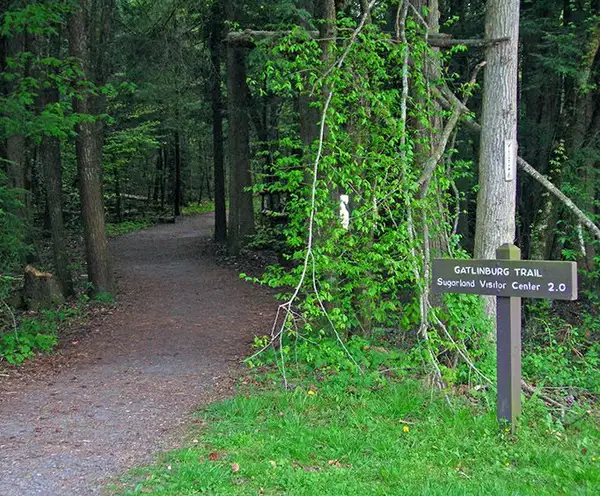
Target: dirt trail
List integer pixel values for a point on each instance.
(180, 325)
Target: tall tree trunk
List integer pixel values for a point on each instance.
(118, 199)
(202, 169)
(215, 45)
(157, 177)
(207, 174)
(177, 183)
(16, 144)
(3, 85)
(164, 176)
(87, 49)
(50, 158)
(241, 209)
(429, 140)
(496, 199)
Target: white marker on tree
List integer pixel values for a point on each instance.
(344, 212)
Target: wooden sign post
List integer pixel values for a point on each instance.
(509, 279)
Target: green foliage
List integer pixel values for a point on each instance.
(370, 276)
(330, 435)
(562, 354)
(324, 354)
(118, 229)
(105, 298)
(33, 335)
(13, 231)
(196, 208)
(28, 74)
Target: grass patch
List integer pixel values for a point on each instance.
(118, 229)
(196, 208)
(348, 437)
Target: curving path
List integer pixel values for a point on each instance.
(182, 323)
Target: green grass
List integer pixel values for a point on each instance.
(356, 439)
(128, 226)
(196, 208)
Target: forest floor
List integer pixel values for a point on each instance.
(123, 389)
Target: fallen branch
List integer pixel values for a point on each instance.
(249, 37)
(527, 168)
(533, 391)
(450, 101)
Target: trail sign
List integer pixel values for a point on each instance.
(526, 279)
(509, 279)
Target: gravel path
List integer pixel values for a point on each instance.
(181, 325)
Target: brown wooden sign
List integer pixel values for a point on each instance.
(525, 279)
(509, 279)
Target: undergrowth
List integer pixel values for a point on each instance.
(32, 335)
(128, 226)
(337, 432)
(196, 208)
(559, 353)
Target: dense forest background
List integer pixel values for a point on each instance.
(283, 116)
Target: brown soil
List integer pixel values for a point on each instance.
(111, 399)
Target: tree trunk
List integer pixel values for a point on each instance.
(207, 174)
(496, 199)
(3, 85)
(163, 177)
(241, 209)
(177, 183)
(40, 290)
(118, 199)
(327, 28)
(50, 158)
(15, 143)
(157, 176)
(90, 138)
(215, 40)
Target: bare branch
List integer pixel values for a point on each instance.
(443, 41)
(435, 157)
(448, 100)
(584, 219)
(249, 37)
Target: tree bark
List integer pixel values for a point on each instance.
(241, 209)
(215, 45)
(157, 176)
(50, 158)
(163, 176)
(15, 143)
(177, 183)
(496, 199)
(84, 46)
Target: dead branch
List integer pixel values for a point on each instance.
(249, 37)
(533, 391)
(449, 101)
(12, 315)
(444, 41)
(566, 425)
(437, 154)
(584, 219)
